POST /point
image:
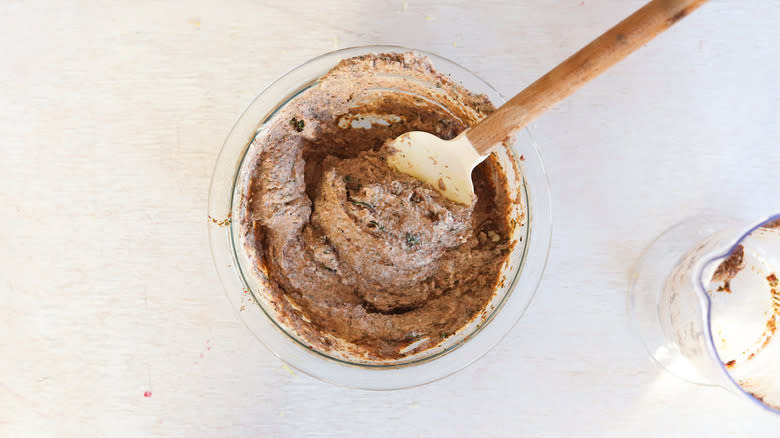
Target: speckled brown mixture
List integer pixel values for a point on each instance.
(354, 251)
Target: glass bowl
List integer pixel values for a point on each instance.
(521, 274)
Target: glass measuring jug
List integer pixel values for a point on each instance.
(705, 300)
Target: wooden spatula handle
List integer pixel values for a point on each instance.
(605, 51)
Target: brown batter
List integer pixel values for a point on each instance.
(354, 251)
(729, 268)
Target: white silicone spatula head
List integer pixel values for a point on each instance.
(444, 164)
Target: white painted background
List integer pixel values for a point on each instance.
(111, 118)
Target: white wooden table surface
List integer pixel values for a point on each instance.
(111, 118)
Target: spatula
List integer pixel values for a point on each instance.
(447, 164)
